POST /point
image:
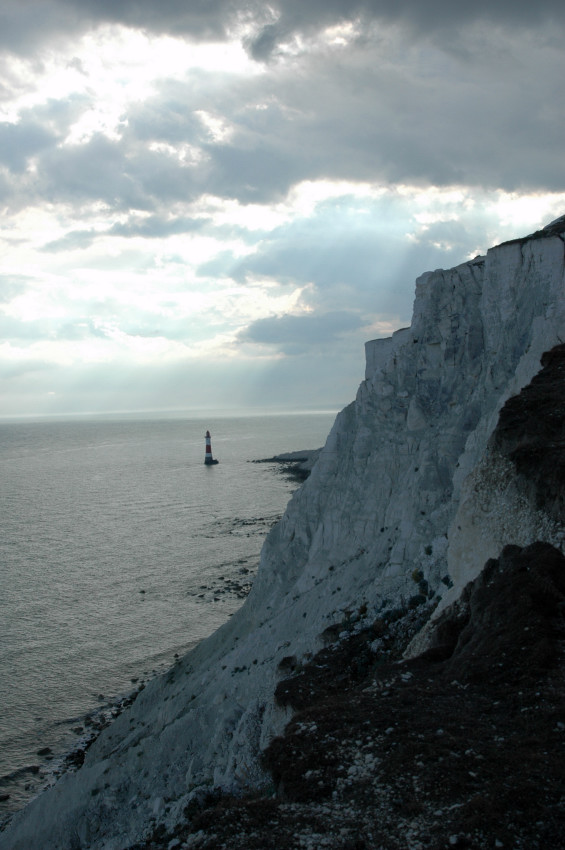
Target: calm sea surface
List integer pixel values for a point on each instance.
(118, 549)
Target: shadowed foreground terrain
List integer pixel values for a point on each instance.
(460, 747)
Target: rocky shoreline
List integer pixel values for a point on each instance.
(51, 765)
(297, 465)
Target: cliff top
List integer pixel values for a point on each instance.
(554, 228)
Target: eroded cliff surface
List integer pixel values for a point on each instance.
(391, 515)
(460, 747)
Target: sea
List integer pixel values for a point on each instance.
(119, 551)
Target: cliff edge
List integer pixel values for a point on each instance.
(411, 495)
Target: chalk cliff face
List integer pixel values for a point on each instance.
(408, 499)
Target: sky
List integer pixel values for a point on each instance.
(213, 204)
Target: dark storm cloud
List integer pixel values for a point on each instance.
(206, 18)
(420, 16)
(29, 142)
(256, 174)
(168, 117)
(123, 176)
(152, 227)
(94, 171)
(429, 118)
(265, 155)
(294, 335)
(23, 25)
(423, 116)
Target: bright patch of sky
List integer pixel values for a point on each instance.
(236, 207)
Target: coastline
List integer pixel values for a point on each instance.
(20, 787)
(51, 765)
(296, 465)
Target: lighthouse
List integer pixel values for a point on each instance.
(208, 459)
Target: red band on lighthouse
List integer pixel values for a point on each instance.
(208, 459)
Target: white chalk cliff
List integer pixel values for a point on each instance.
(407, 482)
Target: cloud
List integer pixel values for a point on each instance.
(363, 254)
(74, 240)
(429, 118)
(296, 334)
(150, 227)
(19, 142)
(384, 111)
(173, 207)
(418, 16)
(24, 26)
(101, 171)
(35, 387)
(11, 286)
(157, 226)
